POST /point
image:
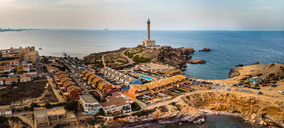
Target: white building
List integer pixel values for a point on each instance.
(5, 110)
(90, 104)
(2, 81)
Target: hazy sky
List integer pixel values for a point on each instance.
(133, 14)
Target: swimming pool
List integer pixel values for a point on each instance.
(146, 78)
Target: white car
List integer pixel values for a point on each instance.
(281, 92)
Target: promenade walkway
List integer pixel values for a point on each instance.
(130, 61)
(103, 59)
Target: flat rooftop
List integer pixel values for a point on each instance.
(56, 111)
(89, 99)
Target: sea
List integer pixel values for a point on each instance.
(229, 48)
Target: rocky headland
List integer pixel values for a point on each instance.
(262, 71)
(126, 57)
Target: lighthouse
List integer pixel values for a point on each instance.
(148, 23)
(149, 42)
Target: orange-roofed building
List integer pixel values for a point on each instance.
(84, 73)
(24, 68)
(10, 81)
(15, 62)
(31, 56)
(6, 68)
(25, 78)
(2, 81)
(52, 69)
(74, 92)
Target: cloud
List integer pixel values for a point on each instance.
(132, 14)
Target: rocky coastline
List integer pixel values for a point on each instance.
(176, 57)
(258, 111)
(172, 120)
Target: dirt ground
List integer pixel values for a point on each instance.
(22, 91)
(49, 96)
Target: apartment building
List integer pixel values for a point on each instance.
(90, 104)
(16, 52)
(31, 57)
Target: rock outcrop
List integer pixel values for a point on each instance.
(205, 50)
(187, 51)
(197, 61)
(255, 109)
(233, 73)
(275, 71)
(174, 112)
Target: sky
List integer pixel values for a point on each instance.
(133, 14)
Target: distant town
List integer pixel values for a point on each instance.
(9, 29)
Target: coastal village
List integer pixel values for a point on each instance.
(131, 87)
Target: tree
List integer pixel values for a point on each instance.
(135, 106)
(45, 59)
(101, 112)
(34, 105)
(71, 105)
(76, 58)
(47, 105)
(4, 122)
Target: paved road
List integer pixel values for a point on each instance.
(103, 59)
(38, 66)
(74, 75)
(130, 61)
(79, 83)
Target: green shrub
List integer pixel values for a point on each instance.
(138, 59)
(71, 105)
(135, 107)
(173, 103)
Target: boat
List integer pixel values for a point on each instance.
(40, 49)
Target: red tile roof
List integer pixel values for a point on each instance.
(116, 99)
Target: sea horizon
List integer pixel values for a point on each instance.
(245, 47)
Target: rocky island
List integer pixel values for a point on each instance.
(205, 50)
(197, 62)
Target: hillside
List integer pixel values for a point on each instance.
(124, 57)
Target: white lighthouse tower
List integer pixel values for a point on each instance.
(149, 42)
